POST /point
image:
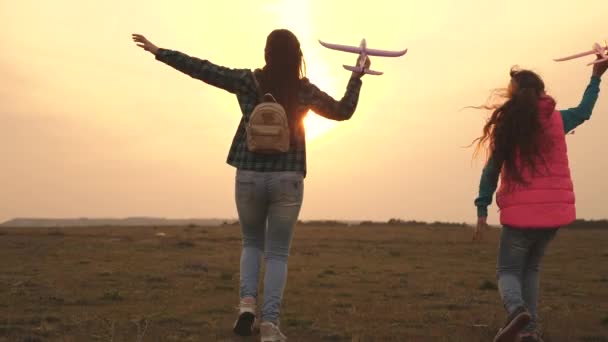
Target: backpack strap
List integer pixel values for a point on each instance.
(269, 97)
(257, 87)
(262, 97)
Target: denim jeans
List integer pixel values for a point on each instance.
(519, 255)
(268, 204)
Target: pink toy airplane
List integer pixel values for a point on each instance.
(597, 50)
(363, 52)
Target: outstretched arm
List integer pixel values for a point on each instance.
(574, 117)
(325, 105)
(487, 186)
(232, 80)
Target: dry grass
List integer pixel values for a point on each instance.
(369, 283)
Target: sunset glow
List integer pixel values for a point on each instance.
(91, 125)
(316, 126)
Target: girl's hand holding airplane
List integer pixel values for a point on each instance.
(368, 62)
(600, 68)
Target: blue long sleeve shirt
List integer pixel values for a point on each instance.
(572, 118)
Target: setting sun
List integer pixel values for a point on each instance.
(121, 134)
(300, 22)
(316, 126)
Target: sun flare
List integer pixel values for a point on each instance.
(316, 126)
(301, 24)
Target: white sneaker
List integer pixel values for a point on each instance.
(270, 333)
(244, 323)
(516, 322)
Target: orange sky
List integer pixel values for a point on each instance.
(90, 125)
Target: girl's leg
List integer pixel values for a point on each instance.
(286, 192)
(531, 274)
(251, 203)
(512, 255)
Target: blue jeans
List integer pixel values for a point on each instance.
(268, 204)
(519, 255)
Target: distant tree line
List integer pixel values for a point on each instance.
(390, 222)
(324, 223)
(580, 223)
(414, 223)
(589, 224)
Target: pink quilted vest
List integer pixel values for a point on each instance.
(547, 201)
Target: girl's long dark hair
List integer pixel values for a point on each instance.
(514, 128)
(284, 68)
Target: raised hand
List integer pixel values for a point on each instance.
(600, 68)
(368, 63)
(144, 43)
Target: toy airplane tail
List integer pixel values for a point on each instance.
(362, 70)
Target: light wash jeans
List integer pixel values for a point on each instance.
(268, 204)
(519, 255)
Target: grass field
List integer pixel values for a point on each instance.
(361, 283)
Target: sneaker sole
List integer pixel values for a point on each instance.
(510, 333)
(244, 324)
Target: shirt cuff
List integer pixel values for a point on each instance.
(160, 54)
(596, 79)
(482, 211)
(355, 81)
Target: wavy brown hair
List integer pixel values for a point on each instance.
(284, 68)
(514, 128)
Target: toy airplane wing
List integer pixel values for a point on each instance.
(363, 52)
(345, 48)
(385, 53)
(598, 49)
(578, 55)
(370, 52)
(363, 70)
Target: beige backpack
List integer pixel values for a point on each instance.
(268, 127)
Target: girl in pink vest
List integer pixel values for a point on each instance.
(525, 138)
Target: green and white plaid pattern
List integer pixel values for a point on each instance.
(241, 83)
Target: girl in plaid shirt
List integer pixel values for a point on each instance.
(269, 188)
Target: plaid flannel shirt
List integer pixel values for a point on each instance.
(241, 83)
